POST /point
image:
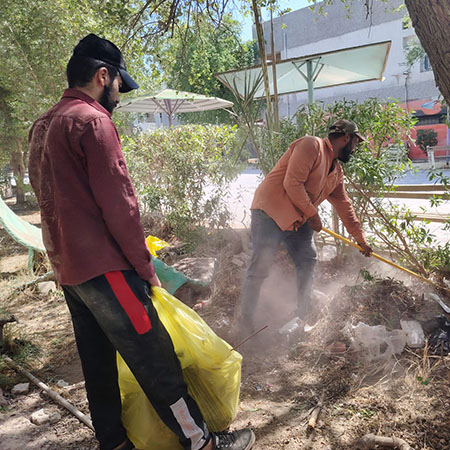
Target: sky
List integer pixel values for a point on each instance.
(247, 22)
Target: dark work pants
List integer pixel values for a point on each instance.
(266, 239)
(114, 312)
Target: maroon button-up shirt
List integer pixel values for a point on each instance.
(90, 217)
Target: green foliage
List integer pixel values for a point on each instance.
(36, 42)
(426, 137)
(182, 174)
(386, 126)
(423, 381)
(195, 52)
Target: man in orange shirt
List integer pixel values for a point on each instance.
(284, 209)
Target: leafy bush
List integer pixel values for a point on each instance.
(426, 137)
(182, 174)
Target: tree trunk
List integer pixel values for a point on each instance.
(18, 167)
(262, 54)
(431, 22)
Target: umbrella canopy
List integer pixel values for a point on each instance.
(171, 102)
(306, 73)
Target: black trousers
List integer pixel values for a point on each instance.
(114, 312)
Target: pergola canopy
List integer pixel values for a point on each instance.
(306, 73)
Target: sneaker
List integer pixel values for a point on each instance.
(236, 440)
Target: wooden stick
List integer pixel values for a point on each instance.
(316, 411)
(51, 393)
(370, 441)
(254, 334)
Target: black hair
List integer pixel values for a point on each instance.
(81, 69)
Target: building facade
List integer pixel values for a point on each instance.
(304, 32)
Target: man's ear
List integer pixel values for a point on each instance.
(102, 76)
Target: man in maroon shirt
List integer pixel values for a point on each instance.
(93, 236)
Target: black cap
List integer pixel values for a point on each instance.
(95, 47)
(346, 126)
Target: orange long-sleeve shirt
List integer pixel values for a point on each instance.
(300, 181)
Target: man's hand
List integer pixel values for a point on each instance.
(365, 248)
(154, 281)
(315, 223)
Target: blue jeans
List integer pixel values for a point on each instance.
(266, 239)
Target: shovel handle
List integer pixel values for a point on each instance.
(375, 255)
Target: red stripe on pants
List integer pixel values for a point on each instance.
(130, 303)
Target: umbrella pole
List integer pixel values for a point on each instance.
(169, 112)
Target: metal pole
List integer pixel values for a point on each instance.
(448, 133)
(309, 74)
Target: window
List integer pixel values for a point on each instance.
(429, 120)
(425, 65)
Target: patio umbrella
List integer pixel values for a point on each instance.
(171, 102)
(306, 73)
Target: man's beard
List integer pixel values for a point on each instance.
(346, 153)
(106, 101)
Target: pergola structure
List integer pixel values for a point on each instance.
(307, 73)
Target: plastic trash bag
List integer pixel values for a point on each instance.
(211, 369)
(439, 341)
(154, 244)
(415, 337)
(378, 343)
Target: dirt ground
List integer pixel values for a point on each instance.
(406, 396)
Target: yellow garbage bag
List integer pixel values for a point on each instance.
(211, 369)
(154, 244)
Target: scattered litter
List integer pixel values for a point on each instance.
(21, 388)
(415, 337)
(437, 299)
(439, 341)
(379, 343)
(62, 383)
(290, 327)
(45, 287)
(199, 305)
(307, 328)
